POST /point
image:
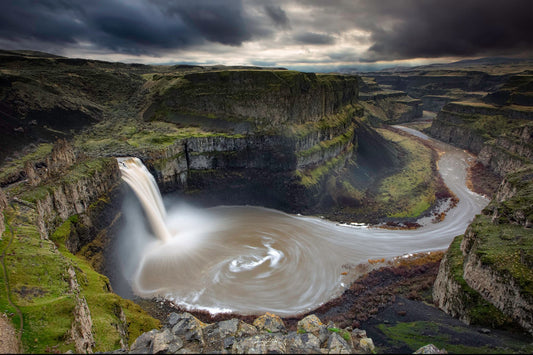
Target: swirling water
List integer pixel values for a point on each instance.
(251, 260)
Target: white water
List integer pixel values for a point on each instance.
(143, 184)
(251, 260)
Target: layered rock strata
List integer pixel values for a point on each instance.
(285, 132)
(486, 275)
(385, 105)
(501, 135)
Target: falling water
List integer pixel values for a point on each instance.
(143, 184)
(250, 260)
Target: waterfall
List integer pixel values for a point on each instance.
(135, 174)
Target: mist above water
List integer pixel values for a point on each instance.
(250, 260)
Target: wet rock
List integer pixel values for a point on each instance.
(229, 327)
(185, 334)
(269, 322)
(212, 337)
(246, 329)
(323, 334)
(172, 319)
(430, 349)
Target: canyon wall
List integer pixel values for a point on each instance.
(485, 277)
(284, 134)
(272, 97)
(385, 105)
(436, 87)
(499, 133)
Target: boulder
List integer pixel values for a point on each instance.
(269, 322)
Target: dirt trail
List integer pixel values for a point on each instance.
(8, 340)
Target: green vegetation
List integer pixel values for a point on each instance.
(77, 172)
(15, 166)
(411, 191)
(311, 178)
(508, 248)
(343, 333)
(414, 335)
(40, 288)
(478, 309)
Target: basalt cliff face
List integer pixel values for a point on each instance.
(500, 134)
(273, 137)
(486, 275)
(271, 97)
(387, 106)
(438, 84)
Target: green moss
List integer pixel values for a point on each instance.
(40, 287)
(479, 310)
(311, 178)
(417, 334)
(507, 248)
(14, 167)
(411, 191)
(325, 145)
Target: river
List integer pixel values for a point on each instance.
(250, 260)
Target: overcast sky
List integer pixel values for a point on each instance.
(309, 35)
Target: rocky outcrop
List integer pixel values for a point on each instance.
(389, 106)
(183, 333)
(81, 327)
(438, 87)
(63, 186)
(75, 194)
(486, 275)
(60, 159)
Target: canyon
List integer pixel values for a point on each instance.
(299, 142)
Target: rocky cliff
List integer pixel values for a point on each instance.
(51, 97)
(387, 106)
(486, 276)
(499, 133)
(62, 205)
(438, 84)
(269, 98)
(3, 206)
(268, 137)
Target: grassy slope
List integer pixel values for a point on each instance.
(38, 283)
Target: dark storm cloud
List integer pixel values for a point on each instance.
(456, 28)
(277, 15)
(395, 29)
(403, 29)
(314, 38)
(217, 21)
(135, 27)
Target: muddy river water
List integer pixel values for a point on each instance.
(250, 260)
